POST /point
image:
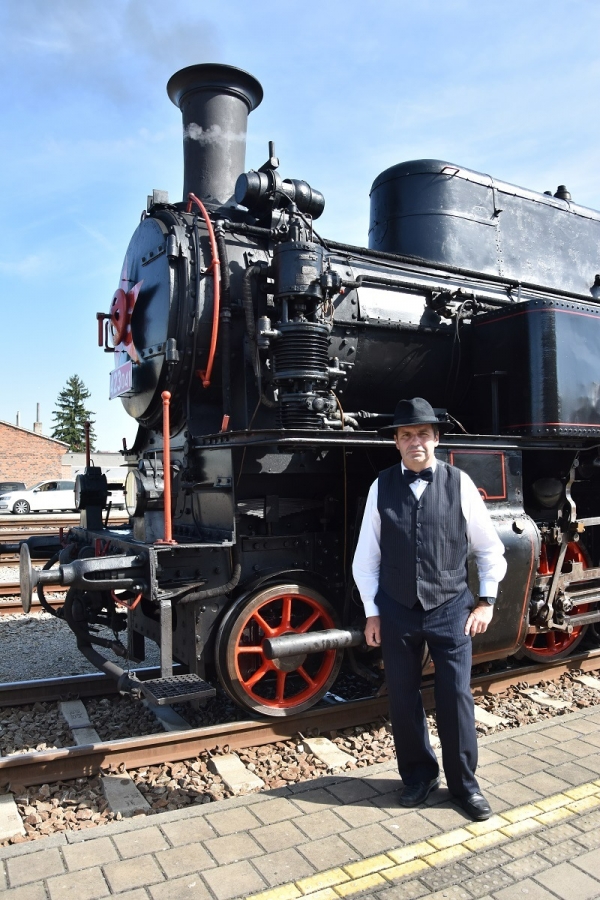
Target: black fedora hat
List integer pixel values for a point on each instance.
(413, 412)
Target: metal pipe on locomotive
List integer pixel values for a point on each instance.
(277, 355)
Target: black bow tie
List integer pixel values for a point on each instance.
(424, 475)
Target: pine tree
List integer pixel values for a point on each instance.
(71, 415)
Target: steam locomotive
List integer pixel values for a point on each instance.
(259, 360)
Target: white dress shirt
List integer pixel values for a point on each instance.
(484, 543)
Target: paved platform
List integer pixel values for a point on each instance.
(344, 835)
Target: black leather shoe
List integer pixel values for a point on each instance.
(476, 806)
(415, 794)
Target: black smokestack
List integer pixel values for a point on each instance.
(215, 101)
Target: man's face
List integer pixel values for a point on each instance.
(416, 444)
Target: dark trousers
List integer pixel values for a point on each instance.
(404, 632)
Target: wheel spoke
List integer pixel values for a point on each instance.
(244, 648)
(551, 641)
(281, 676)
(286, 614)
(309, 622)
(302, 671)
(260, 673)
(269, 632)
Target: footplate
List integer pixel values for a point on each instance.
(176, 689)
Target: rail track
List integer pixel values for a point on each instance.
(75, 762)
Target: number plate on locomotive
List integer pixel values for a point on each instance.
(120, 380)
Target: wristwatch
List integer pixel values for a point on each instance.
(489, 600)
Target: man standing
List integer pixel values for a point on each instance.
(410, 567)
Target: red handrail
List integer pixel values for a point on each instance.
(168, 538)
(215, 268)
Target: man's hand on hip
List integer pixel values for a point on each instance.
(373, 631)
(479, 619)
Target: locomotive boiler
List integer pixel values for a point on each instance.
(259, 360)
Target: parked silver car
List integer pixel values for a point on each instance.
(46, 496)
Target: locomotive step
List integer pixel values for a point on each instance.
(176, 688)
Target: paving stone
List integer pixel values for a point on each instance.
(283, 866)
(560, 733)
(315, 800)
(87, 884)
(408, 890)
(578, 748)
(592, 762)
(3, 880)
(232, 820)
(188, 830)
(590, 863)
(488, 859)
(135, 843)
(456, 892)
(526, 866)
(589, 839)
(569, 882)
(352, 790)
(276, 810)
(487, 756)
(514, 793)
(183, 860)
(544, 783)
(132, 873)
(138, 894)
(497, 773)
(555, 756)
(593, 738)
(446, 817)
(190, 887)
(371, 839)
(89, 853)
(585, 823)
(487, 883)
(361, 813)
(233, 847)
(558, 853)
(524, 890)
(34, 867)
(537, 740)
(583, 726)
(320, 824)
(525, 764)
(560, 833)
(28, 892)
(235, 880)
(278, 836)
(439, 878)
(572, 772)
(411, 827)
(384, 784)
(507, 747)
(328, 852)
(523, 846)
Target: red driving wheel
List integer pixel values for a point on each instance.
(277, 687)
(547, 645)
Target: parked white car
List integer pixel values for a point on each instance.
(47, 495)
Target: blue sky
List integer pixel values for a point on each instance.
(507, 88)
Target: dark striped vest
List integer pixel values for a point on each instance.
(423, 542)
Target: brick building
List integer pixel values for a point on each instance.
(29, 456)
